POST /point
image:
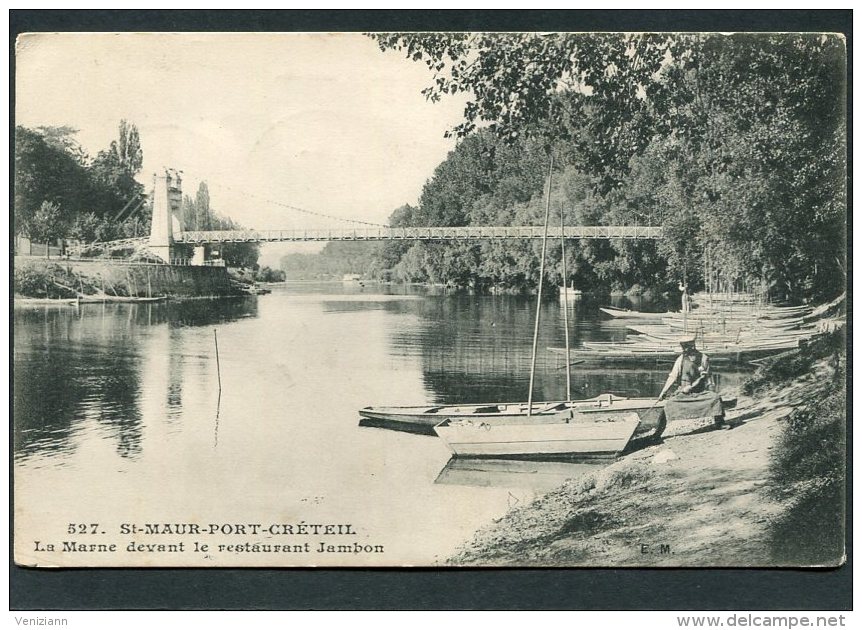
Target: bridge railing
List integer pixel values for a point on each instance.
(189, 262)
(421, 233)
(114, 260)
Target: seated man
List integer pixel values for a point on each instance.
(695, 396)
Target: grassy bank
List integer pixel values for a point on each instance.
(52, 279)
(47, 280)
(769, 491)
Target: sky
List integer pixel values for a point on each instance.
(324, 122)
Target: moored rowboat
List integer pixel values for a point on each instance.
(560, 435)
(124, 299)
(422, 419)
(638, 353)
(625, 313)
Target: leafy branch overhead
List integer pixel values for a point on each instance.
(516, 79)
(735, 144)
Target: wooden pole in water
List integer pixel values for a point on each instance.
(218, 365)
(539, 297)
(565, 305)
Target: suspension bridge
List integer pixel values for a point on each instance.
(167, 200)
(415, 234)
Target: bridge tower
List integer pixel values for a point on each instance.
(167, 200)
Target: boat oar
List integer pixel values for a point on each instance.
(657, 401)
(579, 361)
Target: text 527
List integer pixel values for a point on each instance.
(83, 528)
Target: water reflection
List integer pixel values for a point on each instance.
(199, 312)
(218, 411)
(506, 473)
(175, 373)
(42, 386)
(125, 400)
(93, 370)
(118, 372)
(206, 312)
(478, 349)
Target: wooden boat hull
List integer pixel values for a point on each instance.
(627, 314)
(28, 302)
(629, 356)
(774, 314)
(423, 419)
(122, 299)
(563, 435)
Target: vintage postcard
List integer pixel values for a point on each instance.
(430, 299)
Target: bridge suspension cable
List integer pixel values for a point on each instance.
(298, 209)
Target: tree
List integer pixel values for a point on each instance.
(113, 171)
(126, 150)
(63, 139)
(46, 172)
(46, 225)
(90, 200)
(241, 255)
(135, 226)
(203, 213)
(751, 175)
(586, 88)
(735, 144)
(268, 274)
(188, 216)
(84, 228)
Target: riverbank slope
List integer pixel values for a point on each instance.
(60, 279)
(768, 491)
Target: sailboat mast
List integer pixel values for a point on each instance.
(539, 297)
(565, 305)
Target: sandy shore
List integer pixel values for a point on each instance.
(701, 498)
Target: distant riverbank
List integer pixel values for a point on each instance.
(635, 291)
(768, 491)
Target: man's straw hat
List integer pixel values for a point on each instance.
(687, 340)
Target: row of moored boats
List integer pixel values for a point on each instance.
(726, 331)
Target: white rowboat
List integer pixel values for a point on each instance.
(563, 435)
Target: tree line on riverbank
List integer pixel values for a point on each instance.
(198, 214)
(61, 192)
(734, 144)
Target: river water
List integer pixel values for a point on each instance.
(119, 419)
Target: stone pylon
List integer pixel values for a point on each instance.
(167, 199)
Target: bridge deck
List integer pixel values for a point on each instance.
(419, 234)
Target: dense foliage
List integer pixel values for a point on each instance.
(735, 144)
(60, 192)
(198, 214)
(268, 274)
